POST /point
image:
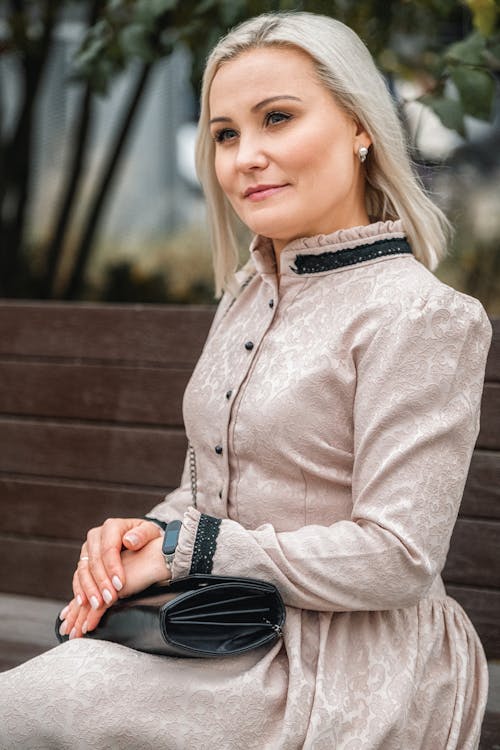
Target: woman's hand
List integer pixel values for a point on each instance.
(100, 575)
(141, 569)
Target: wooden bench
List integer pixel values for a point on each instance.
(91, 427)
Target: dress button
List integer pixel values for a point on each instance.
(218, 450)
(229, 393)
(271, 303)
(249, 345)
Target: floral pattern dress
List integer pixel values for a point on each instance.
(333, 413)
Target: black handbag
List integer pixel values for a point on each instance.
(199, 615)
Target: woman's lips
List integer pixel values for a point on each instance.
(261, 193)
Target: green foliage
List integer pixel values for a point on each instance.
(472, 65)
(149, 29)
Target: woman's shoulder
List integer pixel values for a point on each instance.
(409, 302)
(414, 289)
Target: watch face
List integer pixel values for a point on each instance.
(171, 537)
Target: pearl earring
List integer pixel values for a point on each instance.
(362, 153)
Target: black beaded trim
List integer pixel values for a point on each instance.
(348, 257)
(205, 544)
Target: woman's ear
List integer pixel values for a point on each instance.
(362, 137)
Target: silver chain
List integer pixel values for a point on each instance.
(192, 471)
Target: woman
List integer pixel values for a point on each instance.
(333, 414)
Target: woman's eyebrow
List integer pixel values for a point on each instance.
(273, 99)
(258, 106)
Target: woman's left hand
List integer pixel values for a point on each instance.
(142, 569)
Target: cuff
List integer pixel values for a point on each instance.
(196, 545)
(181, 565)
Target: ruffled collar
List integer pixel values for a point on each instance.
(384, 235)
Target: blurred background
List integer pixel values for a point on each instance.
(99, 199)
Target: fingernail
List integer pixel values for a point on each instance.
(94, 602)
(106, 595)
(72, 634)
(62, 629)
(79, 600)
(64, 612)
(132, 538)
(84, 627)
(117, 583)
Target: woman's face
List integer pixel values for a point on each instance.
(285, 152)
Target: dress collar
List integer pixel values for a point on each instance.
(324, 253)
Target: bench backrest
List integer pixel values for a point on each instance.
(91, 427)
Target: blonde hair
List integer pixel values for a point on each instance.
(344, 65)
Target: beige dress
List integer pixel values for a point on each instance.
(333, 420)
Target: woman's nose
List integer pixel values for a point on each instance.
(250, 154)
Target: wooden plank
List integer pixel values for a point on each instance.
(482, 490)
(132, 455)
(148, 395)
(489, 434)
(67, 510)
(483, 608)
(37, 566)
(493, 362)
(136, 333)
(473, 555)
(490, 732)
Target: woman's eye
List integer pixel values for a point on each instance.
(222, 136)
(273, 118)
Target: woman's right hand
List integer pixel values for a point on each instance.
(142, 568)
(100, 575)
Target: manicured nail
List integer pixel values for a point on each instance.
(94, 603)
(132, 539)
(84, 627)
(64, 612)
(79, 600)
(72, 634)
(62, 629)
(117, 583)
(106, 595)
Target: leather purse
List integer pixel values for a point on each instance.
(197, 616)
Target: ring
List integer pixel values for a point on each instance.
(84, 558)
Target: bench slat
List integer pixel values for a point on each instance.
(489, 435)
(493, 363)
(127, 455)
(482, 490)
(37, 566)
(483, 608)
(144, 395)
(136, 333)
(67, 510)
(473, 555)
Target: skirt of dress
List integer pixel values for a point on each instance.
(413, 678)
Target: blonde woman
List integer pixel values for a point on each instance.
(333, 414)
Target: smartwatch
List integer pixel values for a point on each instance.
(170, 541)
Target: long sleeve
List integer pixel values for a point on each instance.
(416, 420)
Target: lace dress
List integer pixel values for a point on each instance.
(333, 418)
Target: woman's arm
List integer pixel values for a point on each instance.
(416, 419)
